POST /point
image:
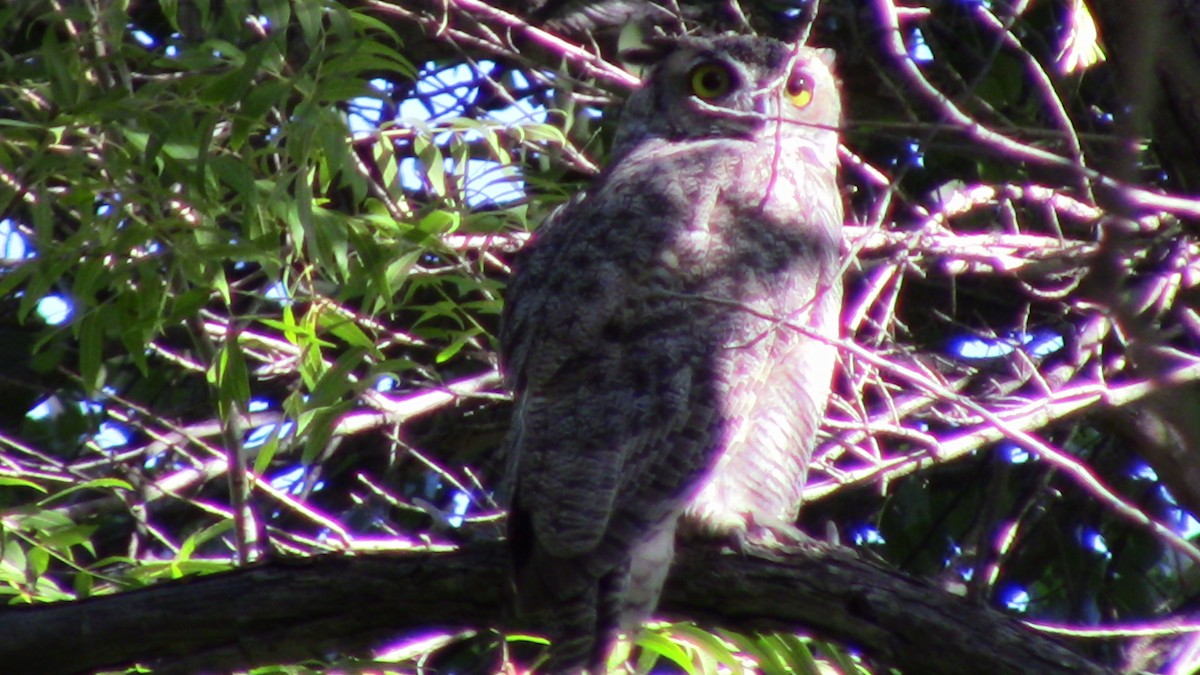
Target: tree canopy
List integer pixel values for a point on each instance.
(253, 261)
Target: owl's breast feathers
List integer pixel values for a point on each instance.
(766, 252)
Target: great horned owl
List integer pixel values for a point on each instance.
(663, 335)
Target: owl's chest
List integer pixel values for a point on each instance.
(744, 231)
(723, 218)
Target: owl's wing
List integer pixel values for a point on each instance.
(584, 426)
(522, 303)
(604, 366)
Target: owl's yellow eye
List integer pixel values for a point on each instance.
(800, 88)
(710, 80)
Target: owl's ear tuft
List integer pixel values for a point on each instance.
(642, 55)
(639, 49)
(827, 56)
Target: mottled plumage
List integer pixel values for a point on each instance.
(658, 335)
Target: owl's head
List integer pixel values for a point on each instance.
(733, 87)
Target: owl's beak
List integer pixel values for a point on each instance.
(768, 105)
(764, 104)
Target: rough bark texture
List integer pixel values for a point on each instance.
(287, 610)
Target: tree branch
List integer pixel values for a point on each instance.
(293, 609)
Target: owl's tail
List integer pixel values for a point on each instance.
(576, 610)
(566, 599)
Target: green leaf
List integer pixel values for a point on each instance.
(183, 151)
(94, 484)
(64, 539)
(83, 585)
(63, 77)
(796, 653)
(91, 347)
(8, 481)
(349, 332)
(439, 222)
(308, 15)
(451, 350)
(320, 430)
(41, 520)
(658, 644)
(432, 164)
(708, 644)
(38, 560)
(336, 381)
(232, 379)
(267, 451)
(279, 14)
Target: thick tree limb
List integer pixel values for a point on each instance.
(288, 610)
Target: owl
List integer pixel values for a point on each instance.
(668, 336)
